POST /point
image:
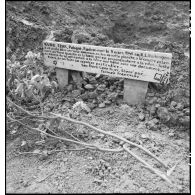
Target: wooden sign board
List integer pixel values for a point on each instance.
(139, 65)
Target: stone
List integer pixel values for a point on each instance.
(172, 109)
(173, 104)
(93, 80)
(84, 82)
(174, 119)
(124, 107)
(153, 100)
(84, 74)
(153, 110)
(144, 136)
(113, 96)
(151, 125)
(141, 117)
(97, 76)
(180, 114)
(185, 121)
(186, 111)
(117, 190)
(155, 120)
(103, 95)
(150, 94)
(80, 36)
(163, 114)
(121, 94)
(62, 77)
(76, 93)
(121, 143)
(179, 106)
(107, 102)
(91, 106)
(94, 101)
(106, 83)
(162, 102)
(97, 181)
(101, 88)
(186, 103)
(101, 105)
(180, 78)
(142, 189)
(93, 94)
(112, 88)
(84, 96)
(89, 86)
(70, 87)
(128, 135)
(171, 134)
(187, 93)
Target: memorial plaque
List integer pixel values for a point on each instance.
(131, 64)
(138, 65)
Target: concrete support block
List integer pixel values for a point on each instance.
(135, 91)
(62, 76)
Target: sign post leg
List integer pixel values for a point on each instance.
(135, 91)
(62, 76)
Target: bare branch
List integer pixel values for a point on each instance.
(90, 146)
(95, 129)
(113, 135)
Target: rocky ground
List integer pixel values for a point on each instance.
(161, 123)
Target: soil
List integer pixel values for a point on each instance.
(156, 26)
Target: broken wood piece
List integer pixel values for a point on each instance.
(135, 91)
(62, 76)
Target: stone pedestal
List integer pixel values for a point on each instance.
(135, 91)
(62, 76)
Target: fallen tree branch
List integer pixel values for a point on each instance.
(113, 135)
(90, 146)
(94, 147)
(95, 129)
